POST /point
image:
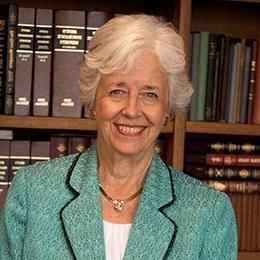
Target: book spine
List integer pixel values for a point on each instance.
(42, 62)
(223, 78)
(3, 25)
(227, 173)
(245, 84)
(250, 160)
(243, 187)
(4, 170)
(19, 156)
(59, 146)
(194, 74)
(252, 77)
(69, 45)
(40, 151)
(10, 59)
(203, 64)
(210, 76)
(256, 103)
(78, 144)
(24, 61)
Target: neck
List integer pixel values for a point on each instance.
(127, 171)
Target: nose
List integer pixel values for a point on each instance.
(131, 107)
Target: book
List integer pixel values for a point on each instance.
(19, 156)
(40, 151)
(9, 33)
(78, 144)
(42, 62)
(222, 159)
(94, 20)
(252, 77)
(223, 78)
(202, 78)
(195, 74)
(59, 146)
(227, 173)
(24, 61)
(69, 45)
(235, 186)
(256, 103)
(4, 160)
(202, 146)
(245, 84)
(212, 55)
(6, 134)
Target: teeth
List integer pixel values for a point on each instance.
(130, 130)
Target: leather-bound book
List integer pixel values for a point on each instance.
(40, 151)
(8, 26)
(79, 144)
(69, 45)
(19, 156)
(42, 62)
(24, 61)
(59, 146)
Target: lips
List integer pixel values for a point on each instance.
(130, 130)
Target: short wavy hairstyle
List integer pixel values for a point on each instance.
(121, 40)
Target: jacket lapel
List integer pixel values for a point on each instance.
(153, 232)
(82, 217)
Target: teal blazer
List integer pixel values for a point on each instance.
(53, 212)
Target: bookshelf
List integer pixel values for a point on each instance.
(239, 18)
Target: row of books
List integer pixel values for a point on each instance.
(225, 72)
(15, 154)
(40, 54)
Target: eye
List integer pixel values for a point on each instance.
(150, 95)
(116, 92)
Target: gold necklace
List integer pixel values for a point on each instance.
(118, 203)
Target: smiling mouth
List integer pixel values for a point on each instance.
(130, 130)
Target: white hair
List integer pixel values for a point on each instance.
(121, 40)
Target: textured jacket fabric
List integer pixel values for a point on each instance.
(53, 212)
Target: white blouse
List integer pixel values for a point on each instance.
(116, 236)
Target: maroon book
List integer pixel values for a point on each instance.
(79, 144)
(69, 45)
(42, 62)
(24, 61)
(59, 146)
(19, 156)
(40, 151)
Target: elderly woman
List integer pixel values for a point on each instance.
(119, 200)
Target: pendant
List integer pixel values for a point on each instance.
(118, 205)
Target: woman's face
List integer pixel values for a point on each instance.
(131, 107)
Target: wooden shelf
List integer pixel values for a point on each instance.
(248, 255)
(222, 128)
(58, 123)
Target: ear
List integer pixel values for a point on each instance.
(166, 119)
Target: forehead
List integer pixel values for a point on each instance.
(144, 71)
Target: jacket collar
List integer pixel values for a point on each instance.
(152, 231)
